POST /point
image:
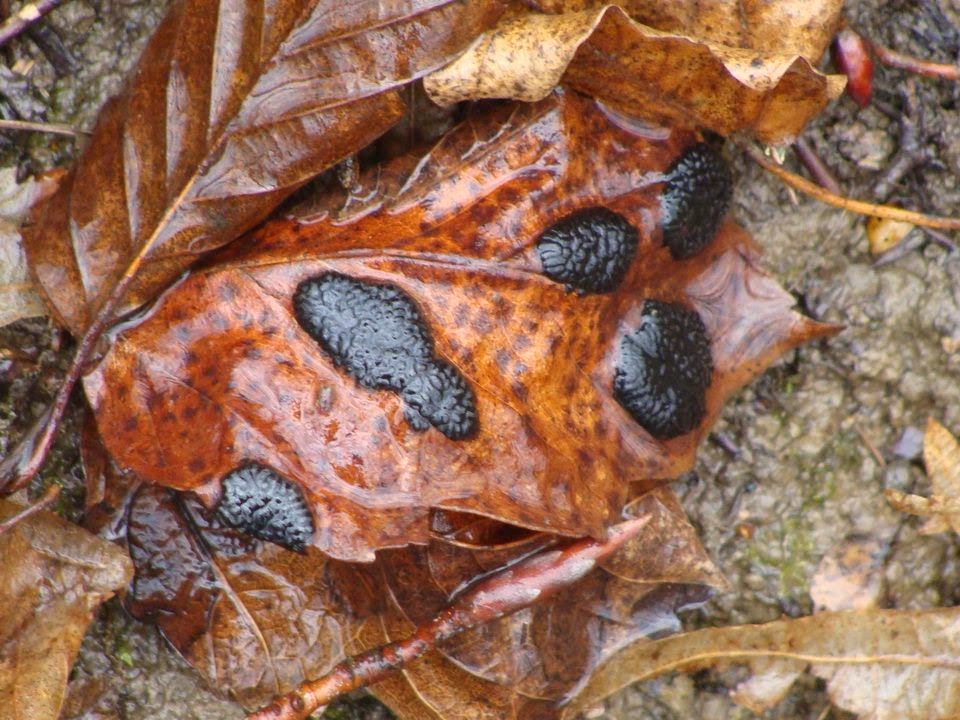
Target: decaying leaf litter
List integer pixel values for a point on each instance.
(801, 354)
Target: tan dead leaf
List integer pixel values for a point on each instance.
(802, 27)
(941, 455)
(878, 664)
(663, 76)
(18, 296)
(53, 575)
(850, 575)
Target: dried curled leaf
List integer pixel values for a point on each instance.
(234, 104)
(798, 27)
(226, 378)
(879, 664)
(941, 454)
(727, 79)
(52, 577)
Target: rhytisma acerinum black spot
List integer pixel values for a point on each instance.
(588, 251)
(664, 369)
(377, 334)
(694, 200)
(265, 505)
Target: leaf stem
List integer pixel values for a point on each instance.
(52, 128)
(25, 460)
(917, 66)
(506, 591)
(845, 203)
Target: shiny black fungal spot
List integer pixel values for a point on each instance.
(589, 251)
(664, 370)
(377, 334)
(266, 505)
(696, 197)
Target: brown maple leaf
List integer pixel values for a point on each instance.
(539, 418)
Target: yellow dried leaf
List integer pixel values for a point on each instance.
(879, 664)
(884, 234)
(660, 76)
(941, 455)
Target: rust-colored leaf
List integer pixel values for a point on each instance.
(252, 618)
(255, 619)
(221, 375)
(721, 65)
(522, 665)
(234, 104)
(53, 575)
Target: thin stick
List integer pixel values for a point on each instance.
(28, 456)
(52, 128)
(48, 497)
(506, 591)
(858, 206)
(901, 61)
(25, 17)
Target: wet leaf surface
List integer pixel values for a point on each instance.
(255, 619)
(52, 577)
(234, 105)
(878, 664)
(222, 374)
(537, 656)
(720, 65)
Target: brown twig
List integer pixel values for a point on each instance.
(52, 128)
(48, 497)
(901, 61)
(25, 17)
(815, 166)
(844, 203)
(29, 455)
(506, 591)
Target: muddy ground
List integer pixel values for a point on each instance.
(817, 439)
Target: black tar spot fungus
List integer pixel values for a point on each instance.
(696, 198)
(266, 505)
(589, 251)
(377, 334)
(664, 370)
